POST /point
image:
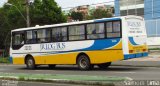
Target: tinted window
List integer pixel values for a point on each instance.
(18, 39)
(76, 32)
(43, 35)
(95, 31)
(31, 36)
(113, 29)
(116, 26)
(59, 34)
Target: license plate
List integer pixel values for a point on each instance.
(137, 50)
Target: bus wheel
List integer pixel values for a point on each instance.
(104, 65)
(51, 66)
(30, 63)
(84, 63)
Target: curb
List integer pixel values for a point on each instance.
(84, 80)
(65, 81)
(138, 63)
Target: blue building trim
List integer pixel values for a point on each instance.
(151, 9)
(117, 8)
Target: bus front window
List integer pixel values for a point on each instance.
(17, 40)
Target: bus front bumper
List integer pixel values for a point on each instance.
(11, 59)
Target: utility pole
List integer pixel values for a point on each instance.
(27, 12)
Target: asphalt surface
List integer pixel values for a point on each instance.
(136, 73)
(30, 83)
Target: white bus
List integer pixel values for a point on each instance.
(85, 43)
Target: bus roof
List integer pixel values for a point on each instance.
(70, 23)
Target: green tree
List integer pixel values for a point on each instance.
(99, 13)
(46, 12)
(42, 12)
(76, 16)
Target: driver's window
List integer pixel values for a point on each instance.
(18, 38)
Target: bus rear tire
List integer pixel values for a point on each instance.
(30, 63)
(51, 66)
(83, 62)
(104, 65)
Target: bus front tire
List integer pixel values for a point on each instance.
(30, 63)
(104, 65)
(83, 63)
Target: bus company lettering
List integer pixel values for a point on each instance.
(134, 24)
(52, 46)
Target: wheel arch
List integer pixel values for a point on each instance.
(28, 56)
(82, 53)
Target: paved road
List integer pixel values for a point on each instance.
(136, 73)
(29, 83)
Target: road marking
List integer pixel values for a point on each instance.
(128, 78)
(125, 72)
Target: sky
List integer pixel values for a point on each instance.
(71, 3)
(2, 2)
(74, 3)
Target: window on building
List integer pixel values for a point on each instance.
(131, 11)
(131, 2)
(151, 28)
(59, 34)
(123, 12)
(139, 1)
(95, 31)
(140, 11)
(113, 29)
(131, 7)
(122, 3)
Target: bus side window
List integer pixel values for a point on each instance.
(59, 34)
(77, 32)
(29, 37)
(113, 29)
(22, 38)
(116, 29)
(41, 35)
(95, 31)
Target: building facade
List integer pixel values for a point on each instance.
(129, 7)
(149, 9)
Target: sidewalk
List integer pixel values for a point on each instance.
(153, 60)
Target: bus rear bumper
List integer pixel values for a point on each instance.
(137, 55)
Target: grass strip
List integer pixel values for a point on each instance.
(80, 79)
(4, 60)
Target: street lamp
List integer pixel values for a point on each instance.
(27, 20)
